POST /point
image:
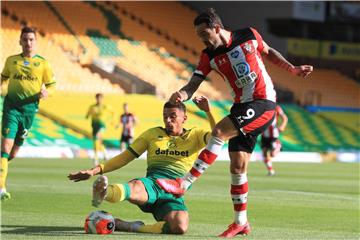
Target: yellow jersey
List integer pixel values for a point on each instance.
(26, 77)
(174, 153)
(100, 113)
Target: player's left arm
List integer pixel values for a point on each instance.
(276, 58)
(203, 104)
(48, 81)
(284, 120)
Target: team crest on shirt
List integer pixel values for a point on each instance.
(171, 144)
(36, 64)
(248, 48)
(26, 63)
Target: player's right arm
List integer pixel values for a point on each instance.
(199, 75)
(5, 75)
(186, 92)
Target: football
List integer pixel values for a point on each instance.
(99, 222)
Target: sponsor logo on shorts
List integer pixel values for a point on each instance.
(6, 131)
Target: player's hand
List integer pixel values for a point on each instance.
(44, 93)
(81, 175)
(302, 71)
(177, 97)
(281, 129)
(202, 103)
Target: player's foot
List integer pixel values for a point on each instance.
(235, 229)
(124, 226)
(5, 196)
(271, 173)
(99, 190)
(173, 186)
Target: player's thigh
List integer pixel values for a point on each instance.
(225, 129)
(178, 221)
(9, 127)
(10, 122)
(24, 128)
(139, 194)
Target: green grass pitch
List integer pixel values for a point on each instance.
(304, 201)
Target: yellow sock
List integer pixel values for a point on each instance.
(153, 228)
(3, 172)
(117, 193)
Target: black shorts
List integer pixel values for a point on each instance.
(269, 143)
(251, 118)
(126, 139)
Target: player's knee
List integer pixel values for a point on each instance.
(217, 132)
(136, 187)
(178, 228)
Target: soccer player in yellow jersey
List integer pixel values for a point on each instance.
(171, 151)
(99, 113)
(28, 78)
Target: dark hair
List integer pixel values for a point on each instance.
(178, 105)
(98, 95)
(27, 30)
(209, 17)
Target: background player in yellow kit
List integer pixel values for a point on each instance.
(171, 151)
(29, 78)
(99, 114)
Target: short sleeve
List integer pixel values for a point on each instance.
(48, 77)
(140, 145)
(201, 136)
(5, 74)
(258, 39)
(203, 68)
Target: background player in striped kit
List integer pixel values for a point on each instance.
(237, 57)
(128, 122)
(270, 143)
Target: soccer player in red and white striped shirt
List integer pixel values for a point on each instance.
(237, 57)
(270, 143)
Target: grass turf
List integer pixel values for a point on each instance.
(304, 201)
